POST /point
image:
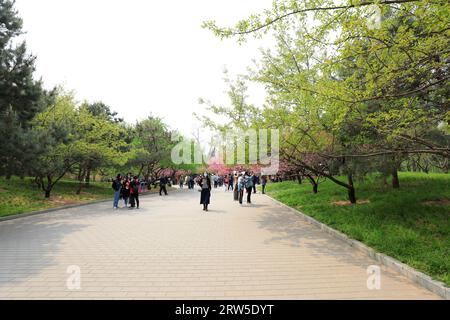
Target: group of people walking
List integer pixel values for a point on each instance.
(126, 188)
(246, 182)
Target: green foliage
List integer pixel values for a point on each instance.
(411, 224)
(54, 132)
(47, 135)
(239, 115)
(354, 94)
(74, 139)
(151, 147)
(100, 110)
(389, 78)
(100, 140)
(21, 97)
(88, 139)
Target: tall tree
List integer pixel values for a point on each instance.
(21, 96)
(54, 132)
(151, 147)
(99, 141)
(348, 89)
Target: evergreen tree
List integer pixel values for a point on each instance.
(21, 96)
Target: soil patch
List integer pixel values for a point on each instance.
(348, 203)
(442, 202)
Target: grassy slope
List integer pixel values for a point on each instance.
(20, 196)
(395, 222)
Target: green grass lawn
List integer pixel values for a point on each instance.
(411, 224)
(20, 196)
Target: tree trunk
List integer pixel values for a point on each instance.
(385, 181)
(314, 184)
(349, 187)
(299, 179)
(352, 195)
(80, 186)
(351, 190)
(48, 189)
(414, 166)
(37, 182)
(88, 177)
(395, 180)
(81, 175)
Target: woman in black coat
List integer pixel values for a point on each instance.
(205, 196)
(126, 191)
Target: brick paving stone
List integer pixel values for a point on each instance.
(171, 249)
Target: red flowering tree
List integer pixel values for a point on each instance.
(179, 174)
(218, 168)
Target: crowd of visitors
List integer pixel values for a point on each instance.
(240, 183)
(243, 183)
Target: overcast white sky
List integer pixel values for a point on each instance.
(138, 56)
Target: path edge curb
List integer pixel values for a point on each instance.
(412, 274)
(39, 212)
(70, 206)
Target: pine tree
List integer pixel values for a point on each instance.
(21, 96)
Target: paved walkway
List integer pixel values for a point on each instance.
(171, 249)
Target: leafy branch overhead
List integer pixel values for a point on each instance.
(353, 81)
(261, 23)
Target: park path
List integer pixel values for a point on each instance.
(171, 249)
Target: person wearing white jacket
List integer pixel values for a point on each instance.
(241, 186)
